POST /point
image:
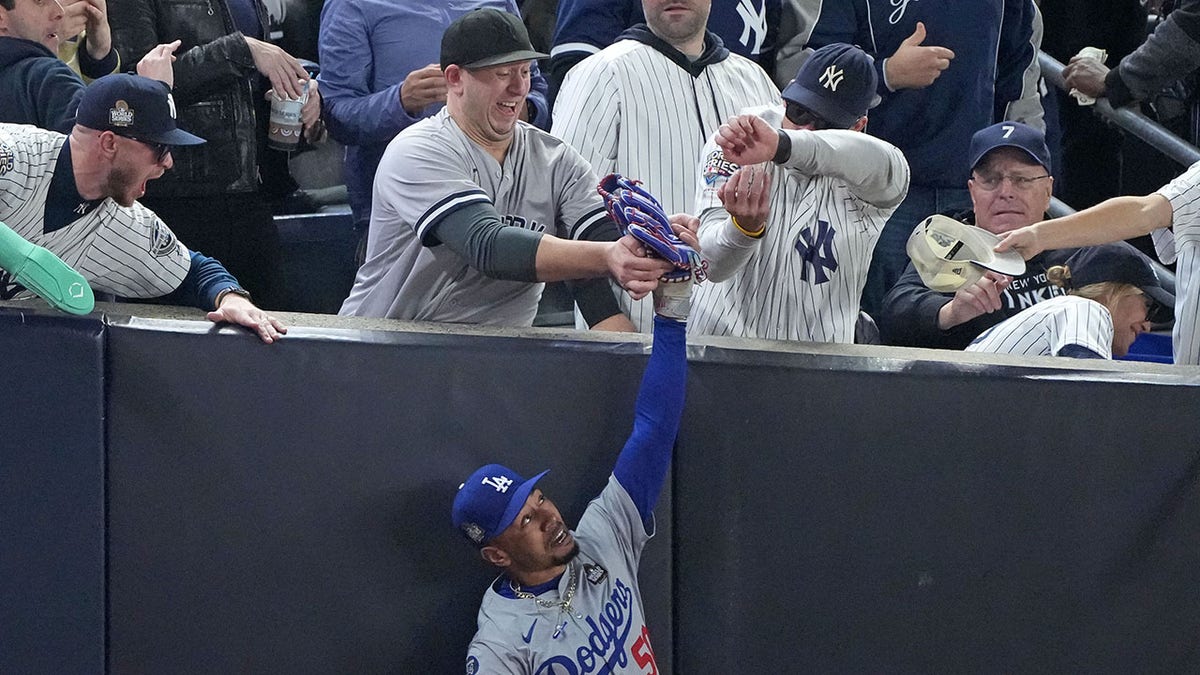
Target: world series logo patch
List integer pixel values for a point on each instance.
(120, 115)
(716, 167)
(6, 159)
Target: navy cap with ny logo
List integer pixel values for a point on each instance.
(135, 107)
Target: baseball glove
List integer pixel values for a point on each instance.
(638, 213)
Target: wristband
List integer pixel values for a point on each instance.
(784, 151)
(234, 290)
(757, 234)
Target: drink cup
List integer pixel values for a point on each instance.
(285, 127)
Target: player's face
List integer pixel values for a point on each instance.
(677, 21)
(135, 164)
(538, 539)
(1009, 191)
(1129, 321)
(36, 20)
(493, 100)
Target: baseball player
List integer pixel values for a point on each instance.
(646, 105)
(468, 202)
(791, 239)
(1171, 216)
(77, 196)
(1112, 290)
(568, 601)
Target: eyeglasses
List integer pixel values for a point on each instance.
(991, 181)
(803, 117)
(161, 150)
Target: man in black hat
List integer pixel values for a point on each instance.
(77, 197)
(473, 208)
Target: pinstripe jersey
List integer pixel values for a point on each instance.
(125, 251)
(802, 279)
(632, 110)
(427, 172)
(1181, 245)
(1047, 327)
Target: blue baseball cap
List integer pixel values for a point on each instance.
(489, 501)
(1122, 263)
(1010, 135)
(837, 82)
(135, 107)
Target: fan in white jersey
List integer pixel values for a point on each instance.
(76, 196)
(644, 106)
(568, 601)
(791, 240)
(1114, 294)
(1171, 215)
(472, 209)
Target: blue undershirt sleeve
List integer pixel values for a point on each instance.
(642, 465)
(206, 278)
(1078, 352)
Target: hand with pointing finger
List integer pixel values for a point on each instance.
(915, 65)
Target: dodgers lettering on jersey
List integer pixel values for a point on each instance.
(803, 278)
(606, 630)
(128, 252)
(1047, 327)
(1181, 245)
(631, 110)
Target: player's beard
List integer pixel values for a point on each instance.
(568, 556)
(121, 186)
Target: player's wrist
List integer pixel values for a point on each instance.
(783, 151)
(754, 232)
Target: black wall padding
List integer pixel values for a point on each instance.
(285, 508)
(982, 521)
(51, 494)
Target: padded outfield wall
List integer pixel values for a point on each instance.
(213, 504)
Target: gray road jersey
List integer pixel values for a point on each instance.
(427, 172)
(605, 632)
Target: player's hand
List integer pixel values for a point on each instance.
(687, 228)
(915, 65)
(747, 139)
(1087, 75)
(747, 196)
(633, 268)
(972, 300)
(282, 69)
(1023, 240)
(423, 87)
(239, 310)
(91, 15)
(157, 63)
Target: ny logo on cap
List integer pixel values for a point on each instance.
(832, 77)
(171, 105)
(501, 483)
(120, 115)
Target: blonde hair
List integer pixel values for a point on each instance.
(1106, 293)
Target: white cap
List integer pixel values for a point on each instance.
(949, 254)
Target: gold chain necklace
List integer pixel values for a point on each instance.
(564, 603)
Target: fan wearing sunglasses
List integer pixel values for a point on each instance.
(791, 200)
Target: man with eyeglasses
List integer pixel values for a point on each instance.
(76, 196)
(791, 200)
(1010, 188)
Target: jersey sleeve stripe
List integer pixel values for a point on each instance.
(589, 220)
(434, 214)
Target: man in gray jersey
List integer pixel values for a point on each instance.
(77, 197)
(472, 207)
(791, 200)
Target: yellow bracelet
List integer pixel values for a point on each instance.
(757, 234)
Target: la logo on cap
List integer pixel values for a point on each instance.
(501, 483)
(832, 77)
(120, 115)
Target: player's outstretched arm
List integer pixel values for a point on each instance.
(1112, 220)
(239, 310)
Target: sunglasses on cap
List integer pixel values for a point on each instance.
(803, 117)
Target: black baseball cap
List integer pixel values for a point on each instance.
(487, 37)
(135, 107)
(837, 82)
(1010, 135)
(1122, 263)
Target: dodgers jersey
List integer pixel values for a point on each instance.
(803, 278)
(635, 110)
(128, 252)
(1181, 244)
(606, 630)
(429, 170)
(1047, 327)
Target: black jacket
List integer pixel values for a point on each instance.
(37, 88)
(216, 90)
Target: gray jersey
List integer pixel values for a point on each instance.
(429, 170)
(1047, 327)
(803, 278)
(1181, 245)
(124, 251)
(606, 630)
(631, 110)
